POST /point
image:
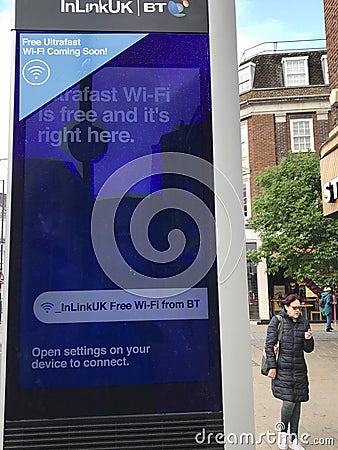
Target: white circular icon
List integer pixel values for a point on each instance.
(104, 238)
(36, 72)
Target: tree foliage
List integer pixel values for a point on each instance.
(288, 218)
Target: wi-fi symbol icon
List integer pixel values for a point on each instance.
(47, 306)
(36, 71)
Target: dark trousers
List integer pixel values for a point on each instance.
(290, 414)
(328, 321)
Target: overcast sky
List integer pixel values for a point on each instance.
(257, 21)
(270, 20)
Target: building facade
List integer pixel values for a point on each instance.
(284, 106)
(329, 150)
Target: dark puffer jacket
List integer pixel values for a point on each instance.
(291, 382)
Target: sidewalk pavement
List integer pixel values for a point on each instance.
(319, 416)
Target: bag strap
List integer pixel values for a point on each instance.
(280, 328)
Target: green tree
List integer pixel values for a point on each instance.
(288, 218)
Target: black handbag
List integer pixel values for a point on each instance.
(264, 362)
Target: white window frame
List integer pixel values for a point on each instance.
(246, 185)
(287, 75)
(246, 75)
(325, 69)
(294, 137)
(244, 139)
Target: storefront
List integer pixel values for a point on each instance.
(329, 175)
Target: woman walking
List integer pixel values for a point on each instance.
(288, 371)
(327, 310)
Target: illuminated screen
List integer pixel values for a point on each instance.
(103, 315)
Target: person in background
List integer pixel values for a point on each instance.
(326, 304)
(288, 371)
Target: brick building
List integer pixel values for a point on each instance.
(284, 106)
(331, 29)
(329, 150)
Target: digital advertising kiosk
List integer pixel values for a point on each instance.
(126, 322)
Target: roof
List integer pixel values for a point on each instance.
(269, 68)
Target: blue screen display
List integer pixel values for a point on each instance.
(103, 241)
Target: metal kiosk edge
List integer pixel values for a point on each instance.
(237, 385)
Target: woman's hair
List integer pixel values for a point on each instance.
(289, 299)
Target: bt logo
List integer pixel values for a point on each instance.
(176, 9)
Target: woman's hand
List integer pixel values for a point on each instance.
(272, 373)
(308, 334)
